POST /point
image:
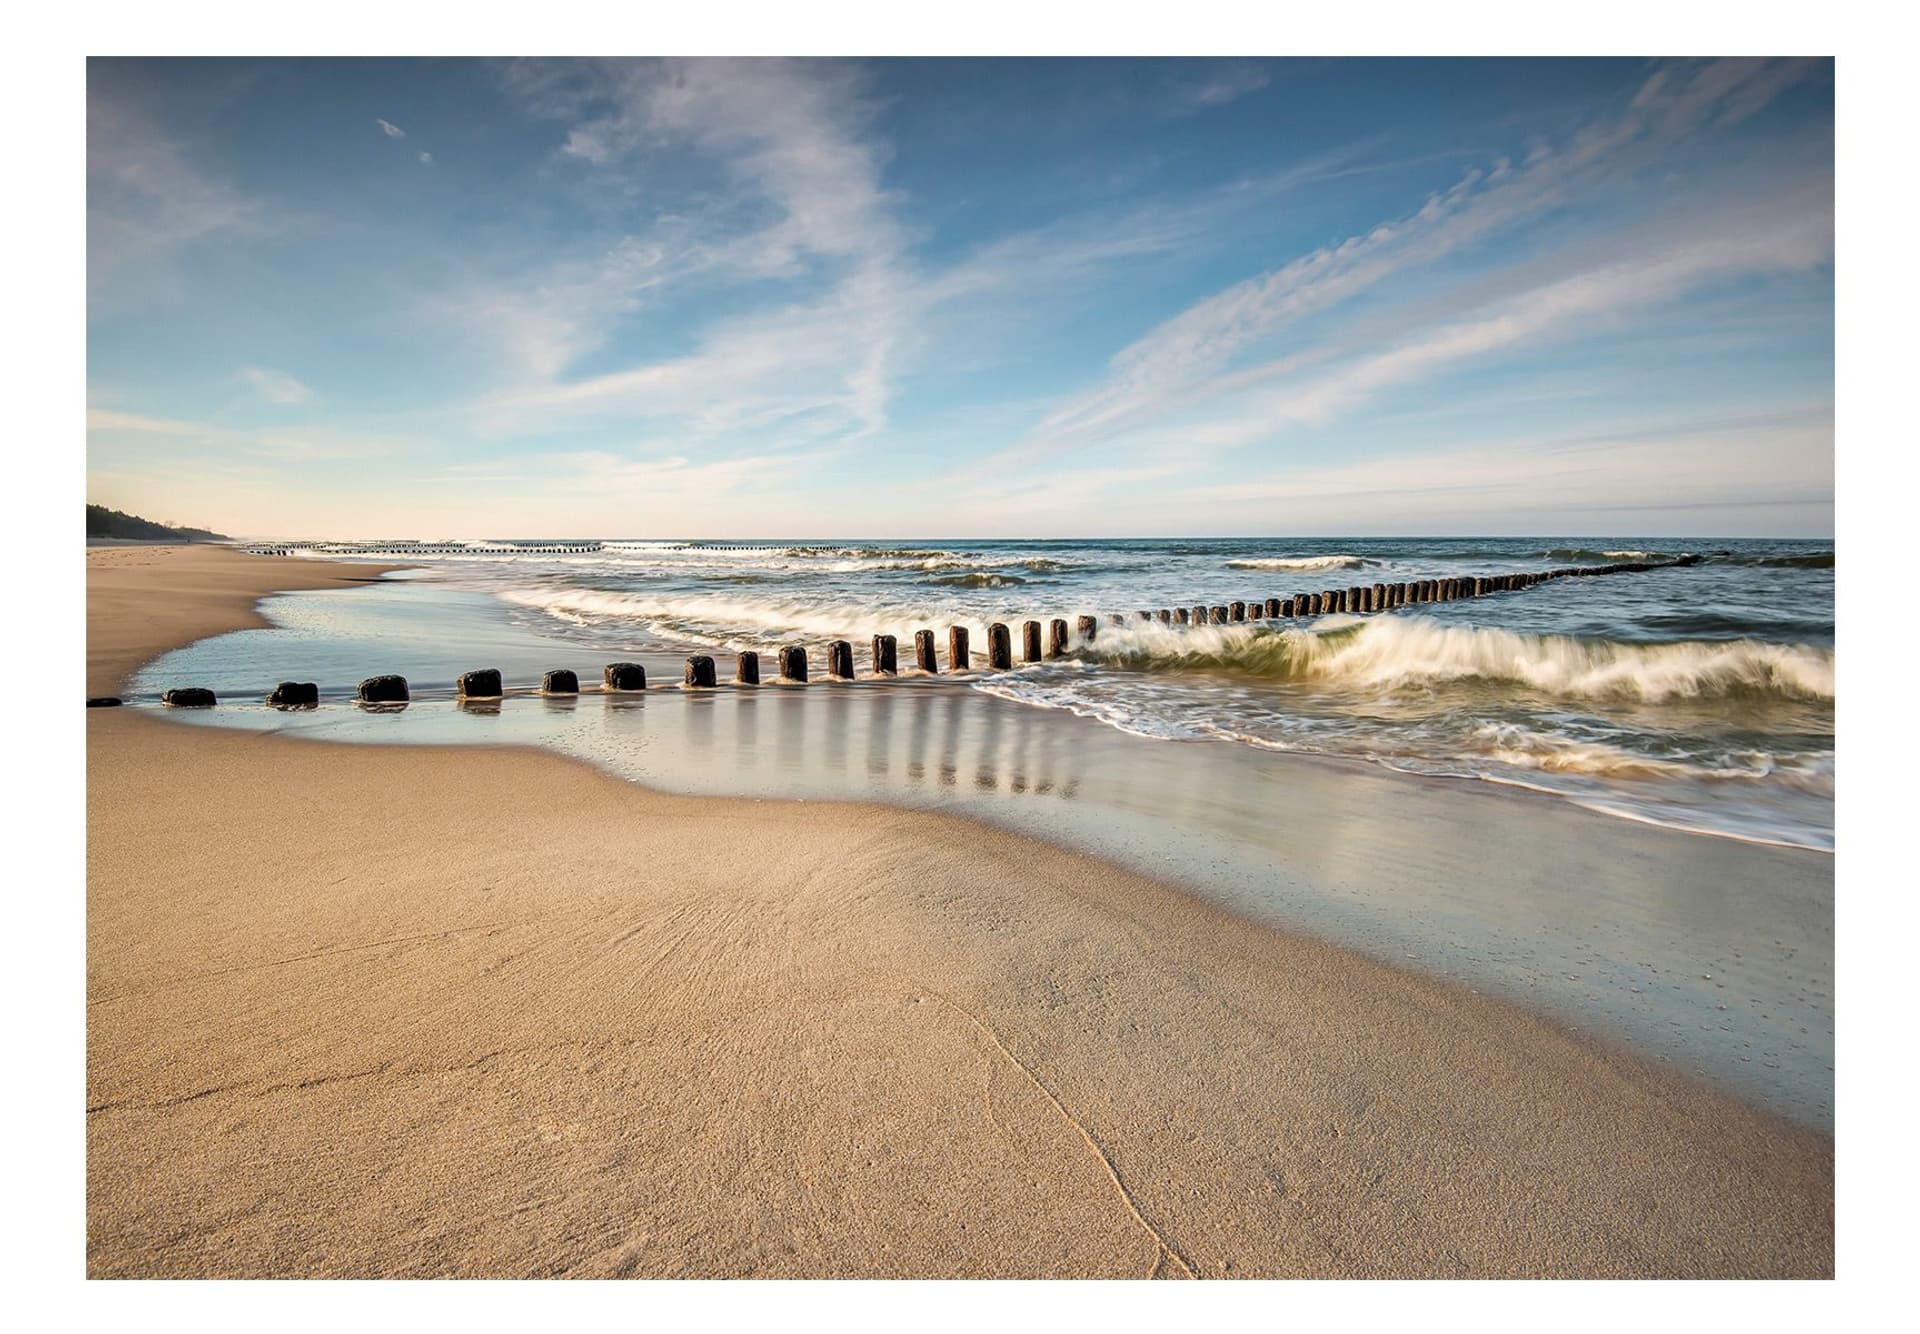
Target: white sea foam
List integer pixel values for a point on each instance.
(1300, 563)
(1405, 652)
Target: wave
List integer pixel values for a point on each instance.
(1594, 553)
(977, 579)
(1818, 560)
(1417, 652)
(1336, 562)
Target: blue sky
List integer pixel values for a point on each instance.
(964, 298)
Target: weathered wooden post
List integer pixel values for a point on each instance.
(1217, 615)
(1088, 626)
(1379, 598)
(1236, 611)
(793, 663)
(1143, 616)
(886, 656)
(1030, 641)
(481, 684)
(1199, 615)
(1115, 618)
(560, 681)
(840, 660)
(625, 676)
(1286, 608)
(380, 690)
(999, 647)
(1164, 616)
(700, 672)
(746, 668)
(1273, 608)
(926, 654)
(1181, 616)
(295, 695)
(1056, 638)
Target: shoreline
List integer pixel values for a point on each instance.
(1484, 1141)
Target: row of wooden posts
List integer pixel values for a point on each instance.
(1038, 641)
(427, 549)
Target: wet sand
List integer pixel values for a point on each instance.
(368, 1011)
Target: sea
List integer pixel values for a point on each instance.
(1699, 697)
(1665, 878)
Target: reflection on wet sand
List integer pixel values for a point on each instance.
(1467, 880)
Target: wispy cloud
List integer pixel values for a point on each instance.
(389, 129)
(1214, 83)
(1784, 233)
(1166, 368)
(795, 138)
(147, 201)
(426, 158)
(276, 386)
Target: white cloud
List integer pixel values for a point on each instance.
(794, 135)
(147, 202)
(1793, 231)
(1174, 362)
(426, 158)
(1716, 471)
(389, 129)
(276, 386)
(1214, 83)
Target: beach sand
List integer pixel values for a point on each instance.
(462, 1011)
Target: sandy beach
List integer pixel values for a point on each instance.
(357, 1011)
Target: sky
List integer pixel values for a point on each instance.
(966, 298)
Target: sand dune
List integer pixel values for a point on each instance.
(356, 1011)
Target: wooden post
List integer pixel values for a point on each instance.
(1164, 616)
(1115, 618)
(1088, 627)
(1217, 615)
(886, 656)
(1236, 611)
(793, 663)
(1273, 608)
(1286, 608)
(625, 676)
(1030, 641)
(700, 672)
(481, 684)
(999, 647)
(295, 695)
(560, 682)
(926, 655)
(373, 690)
(1143, 616)
(746, 669)
(1056, 638)
(1181, 615)
(1379, 598)
(840, 660)
(1199, 615)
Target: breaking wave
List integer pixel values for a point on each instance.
(1418, 652)
(1335, 562)
(977, 579)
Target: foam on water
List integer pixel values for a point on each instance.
(1699, 697)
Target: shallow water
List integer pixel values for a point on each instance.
(1712, 953)
(1700, 697)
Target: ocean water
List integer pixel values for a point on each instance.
(1356, 778)
(1700, 697)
